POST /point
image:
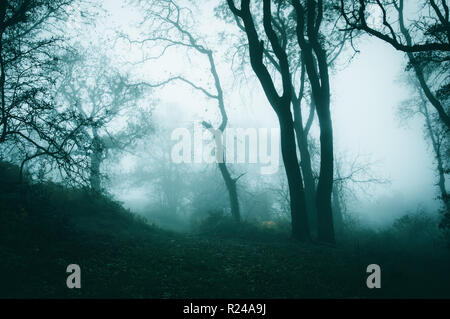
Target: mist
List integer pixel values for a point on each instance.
(187, 128)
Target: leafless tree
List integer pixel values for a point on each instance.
(32, 125)
(102, 97)
(434, 130)
(425, 39)
(281, 103)
(169, 28)
(285, 26)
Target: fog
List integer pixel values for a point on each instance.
(224, 148)
(366, 92)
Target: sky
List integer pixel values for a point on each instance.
(365, 96)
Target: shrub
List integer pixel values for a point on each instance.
(217, 225)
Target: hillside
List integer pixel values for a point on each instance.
(121, 256)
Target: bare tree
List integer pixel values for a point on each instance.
(434, 131)
(309, 17)
(28, 53)
(169, 27)
(425, 40)
(32, 124)
(280, 103)
(285, 27)
(352, 176)
(102, 96)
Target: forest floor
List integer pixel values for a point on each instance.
(176, 267)
(159, 264)
(152, 263)
(121, 256)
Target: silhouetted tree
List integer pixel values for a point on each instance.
(280, 103)
(425, 39)
(285, 27)
(309, 17)
(23, 43)
(170, 28)
(352, 176)
(103, 97)
(32, 124)
(436, 133)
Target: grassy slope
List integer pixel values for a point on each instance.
(122, 257)
(157, 264)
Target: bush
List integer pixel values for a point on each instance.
(414, 234)
(217, 225)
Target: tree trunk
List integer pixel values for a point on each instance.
(230, 183)
(299, 215)
(438, 154)
(315, 59)
(441, 183)
(337, 211)
(305, 164)
(4, 119)
(96, 159)
(426, 90)
(325, 185)
(280, 104)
